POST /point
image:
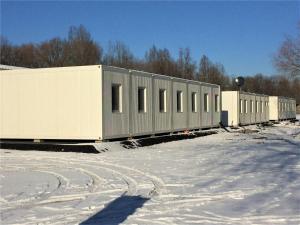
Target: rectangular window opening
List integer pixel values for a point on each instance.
(241, 106)
(257, 107)
(142, 99)
(179, 101)
(194, 102)
(206, 103)
(116, 98)
(261, 107)
(245, 106)
(217, 103)
(162, 100)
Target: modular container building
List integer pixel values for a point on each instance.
(243, 108)
(101, 102)
(282, 108)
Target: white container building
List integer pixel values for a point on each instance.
(282, 108)
(243, 108)
(101, 102)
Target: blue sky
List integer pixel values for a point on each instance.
(241, 35)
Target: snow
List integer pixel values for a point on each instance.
(225, 178)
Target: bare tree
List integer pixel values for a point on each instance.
(204, 68)
(52, 53)
(185, 64)
(160, 61)
(81, 49)
(7, 52)
(119, 54)
(287, 59)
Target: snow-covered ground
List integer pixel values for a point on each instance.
(225, 178)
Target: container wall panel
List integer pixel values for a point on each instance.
(116, 122)
(55, 103)
(252, 112)
(273, 108)
(244, 113)
(230, 105)
(180, 116)
(141, 120)
(257, 109)
(194, 116)
(162, 120)
(206, 115)
(216, 102)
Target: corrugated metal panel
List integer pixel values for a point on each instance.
(116, 124)
(180, 117)
(216, 112)
(141, 120)
(194, 117)
(53, 103)
(206, 117)
(244, 114)
(162, 120)
(257, 109)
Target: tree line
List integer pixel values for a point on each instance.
(79, 48)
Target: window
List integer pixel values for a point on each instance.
(116, 97)
(257, 107)
(217, 105)
(194, 102)
(179, 101)
(206, 105)
(245, 106)
(251, 106)
(162, 100)
(142, 99)
(241, 106)
(261, 106)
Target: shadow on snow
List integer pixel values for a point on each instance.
(117, 211)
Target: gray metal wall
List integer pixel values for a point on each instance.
(131, 122)
(206, 117)
(216, 112)
(141, 122)
(115, 124)
(194, 117)
(162, 120)
(180, 119)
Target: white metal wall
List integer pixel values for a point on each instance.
(51, 103)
